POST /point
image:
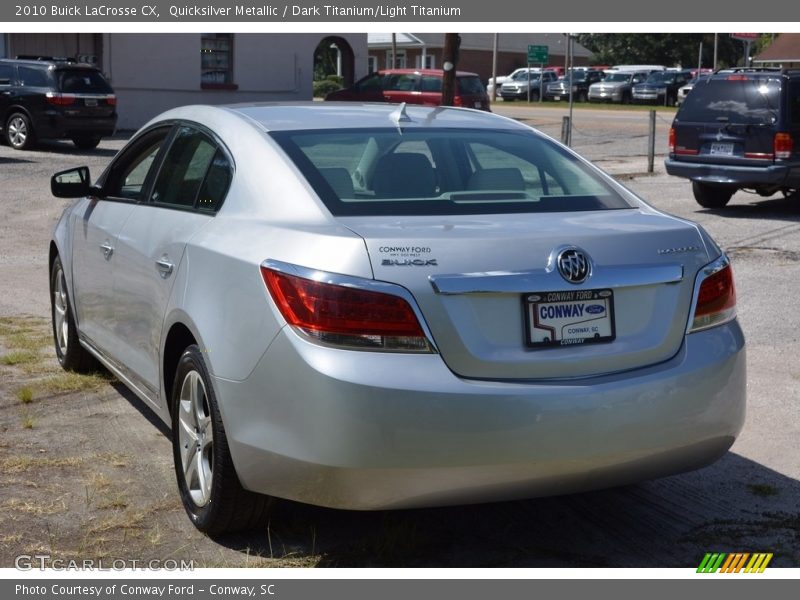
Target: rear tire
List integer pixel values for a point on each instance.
(210, 490)
(710, 196)
(86, 143)
(19, 132)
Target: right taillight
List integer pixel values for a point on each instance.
(716, 296)
(343, 315)
(783, 145)
(671, 139)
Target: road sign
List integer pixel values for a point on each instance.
(538, 54)
(745, 37)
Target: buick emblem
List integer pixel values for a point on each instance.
(573, 265)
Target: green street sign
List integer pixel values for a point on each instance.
(538, 54)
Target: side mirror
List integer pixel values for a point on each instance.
(72, 183)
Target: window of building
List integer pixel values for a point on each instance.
(216, 56)
(428, 63)
(372, 63)
(400, 59)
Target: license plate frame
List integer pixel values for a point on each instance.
(721, 149)
(599, 325)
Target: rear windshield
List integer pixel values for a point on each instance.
(470, 85)
(79, 81)
(369, 172)
(661, 77)
(738, 99)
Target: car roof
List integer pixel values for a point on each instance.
(296, 116)
(423, 72)
(49, 63)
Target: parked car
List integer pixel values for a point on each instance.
(503, 78)
(517, 87)
(372, 306)
(661, 87)
(414, 86)
(616, 87)
(581, 79)
(48, 98)
(738, 129)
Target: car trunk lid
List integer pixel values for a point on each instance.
(481, 281)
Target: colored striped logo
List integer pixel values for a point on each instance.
(720, 562)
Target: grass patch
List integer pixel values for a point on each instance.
(32, 508)
(23, 464)
(28, 422)
(762, 489)
(25, 395)
(19, 357)
(69, 382)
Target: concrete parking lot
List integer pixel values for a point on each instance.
(85, 470)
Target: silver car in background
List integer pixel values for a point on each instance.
(616, 87)
(380, 306)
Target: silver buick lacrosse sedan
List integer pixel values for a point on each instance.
(382, 306)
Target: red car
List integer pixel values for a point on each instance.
(414, 86)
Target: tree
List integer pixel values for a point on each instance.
(669, 49)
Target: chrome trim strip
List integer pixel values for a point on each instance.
(147, 394)
(373, 285)
(520, 282)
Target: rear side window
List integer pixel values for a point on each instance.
(6, 74)
(31, 77)
(444, 172)
(470, 85)
(400, 83)
(82, 81)
(184, 169)
(735, 99)
(794, 102)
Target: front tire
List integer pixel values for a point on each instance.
(19, 132)
(710, 196)
(71, 355)
(210, 490)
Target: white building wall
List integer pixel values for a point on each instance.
(154, 72)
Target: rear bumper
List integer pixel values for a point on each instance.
(773, 175)
(362, 430)
(57, 125)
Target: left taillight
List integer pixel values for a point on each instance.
(57, 99)
(346, 316)
(716, 296)
(671, 140)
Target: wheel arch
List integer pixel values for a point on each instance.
(178, 338)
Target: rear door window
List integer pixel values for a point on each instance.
(195, 173)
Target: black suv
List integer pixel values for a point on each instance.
(738, 129)
(54, 98)
(661, 87)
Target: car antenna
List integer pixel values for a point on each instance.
(400, 116)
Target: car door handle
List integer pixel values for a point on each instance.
(164, 267)
(107, 249)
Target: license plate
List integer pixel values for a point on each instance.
(722, 148)
(90, 101)
(479, 105)
(555, 319)
(556, 98)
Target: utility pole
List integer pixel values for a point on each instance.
(494, 68)
(452, 41)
